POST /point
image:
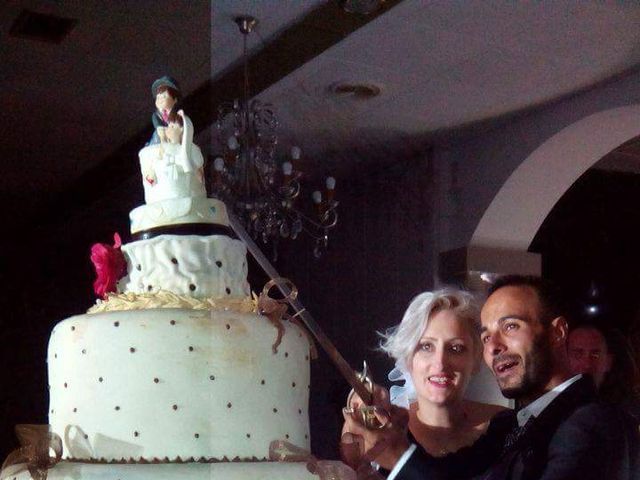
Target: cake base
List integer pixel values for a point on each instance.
(170, 471)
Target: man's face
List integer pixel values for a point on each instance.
(515, 343)
(164, 101)
(588, 353)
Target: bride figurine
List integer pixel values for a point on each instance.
(173, 168)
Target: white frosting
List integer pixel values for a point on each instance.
(171, 383)
(178, 211)
(191, 471)
(212, 266)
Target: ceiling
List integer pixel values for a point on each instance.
(70, 107)
(441, 65)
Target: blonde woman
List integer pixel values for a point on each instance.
(437, 349)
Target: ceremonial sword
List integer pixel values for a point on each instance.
(327, 345)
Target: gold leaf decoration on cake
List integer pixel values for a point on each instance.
(165, 299)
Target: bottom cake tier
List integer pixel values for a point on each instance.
(171, 471)
(177, 385)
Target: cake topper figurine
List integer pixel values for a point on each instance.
(167, 96)
(174, 167)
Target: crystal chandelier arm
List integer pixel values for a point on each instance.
(311, 227)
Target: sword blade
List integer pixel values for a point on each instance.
(327, 345)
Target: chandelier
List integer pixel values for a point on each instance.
(262, 190)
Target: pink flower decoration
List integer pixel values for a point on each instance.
(110, 266)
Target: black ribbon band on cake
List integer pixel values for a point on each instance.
(185, 229)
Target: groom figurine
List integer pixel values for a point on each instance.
(560, 431)
(166, 94)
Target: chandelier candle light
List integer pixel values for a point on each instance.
(261, 190)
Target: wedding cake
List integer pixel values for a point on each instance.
(174, 374)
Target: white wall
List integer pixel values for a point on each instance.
(482, 163)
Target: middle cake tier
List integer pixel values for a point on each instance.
(164, 384)
(198, 266)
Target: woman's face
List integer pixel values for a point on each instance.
(174, 132)
(444, 359)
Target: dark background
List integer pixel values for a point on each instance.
(377, 261)
(589, 246)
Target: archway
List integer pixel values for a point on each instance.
(517, 211)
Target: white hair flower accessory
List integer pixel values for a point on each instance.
(401, 395)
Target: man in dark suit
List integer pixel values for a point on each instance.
(560, 431)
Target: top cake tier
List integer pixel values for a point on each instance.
(174, 190)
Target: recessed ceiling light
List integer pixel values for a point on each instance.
(359, 91)
(42, 27)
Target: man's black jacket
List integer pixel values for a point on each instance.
(575, 437)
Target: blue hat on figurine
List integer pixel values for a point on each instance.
(165, 81)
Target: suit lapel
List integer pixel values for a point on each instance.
(528, 454)
(545, 425)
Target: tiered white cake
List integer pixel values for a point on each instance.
(174, 376)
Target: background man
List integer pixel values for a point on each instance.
(606, 355)
(589, 353)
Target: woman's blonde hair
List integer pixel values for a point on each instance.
(399, 342)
